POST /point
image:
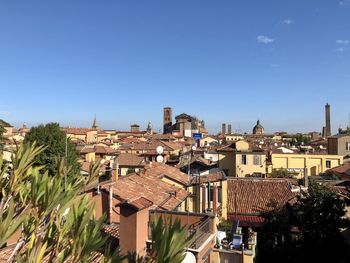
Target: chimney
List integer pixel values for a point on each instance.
(229, 129)
(134, 221)
(223, 129)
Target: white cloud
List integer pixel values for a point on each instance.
(342, 42)
(287, 21)
(344, 2)
(340, 49)
(4, 113)
(264, 39)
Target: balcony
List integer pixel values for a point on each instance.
(200, 226)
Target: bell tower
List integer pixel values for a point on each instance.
(167, 119)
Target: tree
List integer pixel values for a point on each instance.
(320, 214)
(51, 136)
(58, 223)
(280, 173)
(169, 241)
(275, 242)
(300, 139)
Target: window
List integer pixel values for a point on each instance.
(347, 146)
(257, 159)
(220, 194)
(328, 164)
(210, 196)
(244, 159)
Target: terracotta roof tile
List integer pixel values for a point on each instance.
(130, 159)
(111, 230)
(160, 193)
(213, 177)
(255, 195)
(138, 203)
(158, 170)
(99, 149)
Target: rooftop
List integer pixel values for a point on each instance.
(255, 196)
(130, 159)
(161, 194)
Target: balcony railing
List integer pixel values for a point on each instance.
(200, 234)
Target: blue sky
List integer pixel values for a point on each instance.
(223, 61)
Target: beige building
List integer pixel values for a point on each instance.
(314, 163)
(339, 145)
(240, 160)
(129, 163)
(207, 141)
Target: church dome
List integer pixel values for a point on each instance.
(258, 128)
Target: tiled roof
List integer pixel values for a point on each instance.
(129, 159)
(342, 170)
(255, 195)
(172, 145)
(138, 203)
(99, 149)
(196, 159)
(213, 177)
(248, 221)
(159, 170)
(6, 252)
(111, 230)
(131, 140)
(160, 193)
(78, 131)
(160, 136)
(150, 145)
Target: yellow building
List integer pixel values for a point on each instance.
(207, 192)
(239, 160)
(315, 163)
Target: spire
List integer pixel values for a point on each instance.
(149, 128)
(94, 125)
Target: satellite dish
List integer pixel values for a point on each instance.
(160, 159)
(160, 149)
(194, 148)
(189, 258)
